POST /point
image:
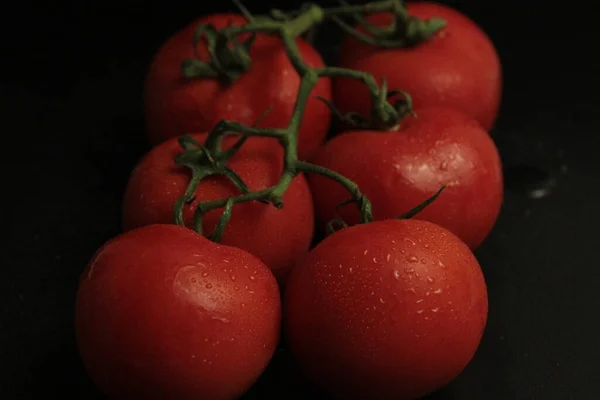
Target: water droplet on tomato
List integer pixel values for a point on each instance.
(441, 264)
(423, 261)
(444, 166)
(435, 309)
(381, 300)
(232, 278)
(420, 311)
(252, 277)
(204, 274)
(419, 301)
(410, 241)
(396, 274)
(411, 290)
(409, 270)
(412, 259)
(430, 279)
(387, 258)
(374, 260)
(208, 286)
(438, 291)
(236, 288)
(193, 280)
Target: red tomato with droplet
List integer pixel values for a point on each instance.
(399, 170)
(386, 310)
(278, 237)
(175, 105)
(458, 67)
(164, 313)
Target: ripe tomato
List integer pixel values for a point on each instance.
(277, 237)
(164, 313)
(386, 310)
(399, 170)
(458, 67)
(176, 106)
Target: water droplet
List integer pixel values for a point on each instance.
(226, 261)
(396, 274)
(438, 291)
(419, 301)
(441, 264)
(430, 279)
(232, 278)
(412, 290)
(236, 288)
(194, 280)
(387, 258)
(204, 274)
(435, 309)
(374, 260)
(444, 166)
(208, 286)
(426, 245)
(412, 259)
(381, 300)
(340, 266)
(410, 241)
(243, 305)
(427, 293)
(350, 269)
(420, 311)
(409, 270)
(252, 277)
(206, 339)
(366, 252)
(423, 261)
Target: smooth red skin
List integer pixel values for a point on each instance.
(459, 67)
(278, 237)
(150, 325)
(175, 106)
(387, 310)
(399, 170)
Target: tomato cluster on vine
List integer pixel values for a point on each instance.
(218, 257)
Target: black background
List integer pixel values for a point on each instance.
(71, 77)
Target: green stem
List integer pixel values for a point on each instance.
(363, 203)
(232, 59)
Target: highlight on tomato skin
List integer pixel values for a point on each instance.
(175, 105)
(162, 312)
(277, 237)
(399, 169)
(392, 309)
(458, 67)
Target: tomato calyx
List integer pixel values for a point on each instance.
(404, 30)
(228, 58)
(385, 116)
(416, 210)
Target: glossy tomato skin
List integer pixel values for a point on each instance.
(277, 237)
(387, 310)
(459, 67)
(401, 169)
(176, 106)
(162, 312)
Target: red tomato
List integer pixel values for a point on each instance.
(277, 237)
(399, 170)
(458, 67)
(164, 313)
(175, 106)
(386, 310)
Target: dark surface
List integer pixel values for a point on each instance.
(71, 91)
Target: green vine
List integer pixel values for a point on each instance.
(228, 59)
